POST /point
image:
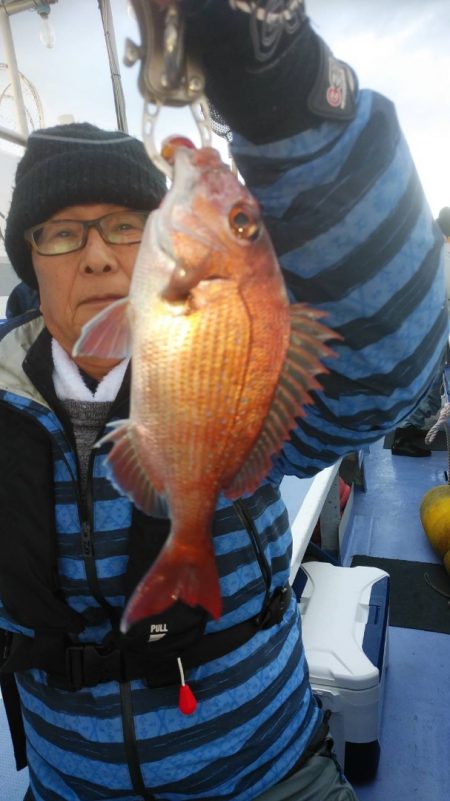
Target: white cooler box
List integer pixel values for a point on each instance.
(345, 632)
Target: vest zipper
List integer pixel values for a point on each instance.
(126, 704)
(126, 701)
(249, 525)
(87, 545)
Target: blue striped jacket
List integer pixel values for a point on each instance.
(355, 237)
(76, 740)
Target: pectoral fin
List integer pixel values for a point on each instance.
(126, 470)
(297, 378)
(108, 334)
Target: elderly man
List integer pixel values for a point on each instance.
(355, 237)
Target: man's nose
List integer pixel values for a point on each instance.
(98, 256)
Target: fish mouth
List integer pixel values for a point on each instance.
(184, 281)
(208, 280)
(186, 276)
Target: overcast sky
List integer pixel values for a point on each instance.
(399, 47)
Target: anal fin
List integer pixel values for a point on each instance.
(127, 473)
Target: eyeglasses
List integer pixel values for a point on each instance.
(58, 237)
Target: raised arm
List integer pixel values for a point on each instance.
(346, 212)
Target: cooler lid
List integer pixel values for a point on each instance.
(344, 614)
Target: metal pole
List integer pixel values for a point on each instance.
(12, 136)
(119, 98)
(10, 58)
(21, 5)
(16, 6)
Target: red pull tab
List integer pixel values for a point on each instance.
(187, 703)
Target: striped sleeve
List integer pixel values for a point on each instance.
(355, 237)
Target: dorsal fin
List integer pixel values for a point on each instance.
(303, 362)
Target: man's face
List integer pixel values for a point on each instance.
(74, 287)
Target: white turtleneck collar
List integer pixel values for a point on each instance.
(69, 384)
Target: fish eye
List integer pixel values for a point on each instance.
(243, 222)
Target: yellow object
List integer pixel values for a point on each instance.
(435, 517)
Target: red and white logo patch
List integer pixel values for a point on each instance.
(334, 96)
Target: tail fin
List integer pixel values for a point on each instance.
(179, 574)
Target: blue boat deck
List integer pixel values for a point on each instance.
(415, 733)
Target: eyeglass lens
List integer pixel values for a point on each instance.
(63, 236)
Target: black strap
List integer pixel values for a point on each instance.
(213, 646)
(13, 709)
(129, 736)
(87, 665)
(71, 667)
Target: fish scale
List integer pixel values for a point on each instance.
(181, 373)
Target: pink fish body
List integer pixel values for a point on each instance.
(221, 366)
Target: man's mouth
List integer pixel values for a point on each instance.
(100, 299)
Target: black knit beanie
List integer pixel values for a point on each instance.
(76, 164)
